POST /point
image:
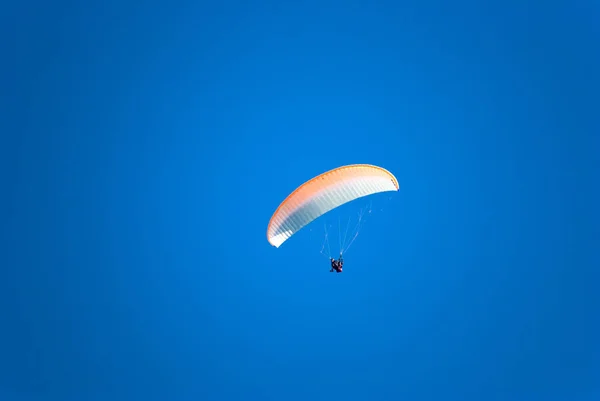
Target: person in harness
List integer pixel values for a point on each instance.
(337, 265)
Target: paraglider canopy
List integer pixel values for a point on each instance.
(324, 193)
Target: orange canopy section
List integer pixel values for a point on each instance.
(325, 192)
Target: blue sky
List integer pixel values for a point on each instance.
(146, 144)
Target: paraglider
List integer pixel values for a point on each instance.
(324, 193)
(337, 265)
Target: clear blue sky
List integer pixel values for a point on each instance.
(145, 146)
